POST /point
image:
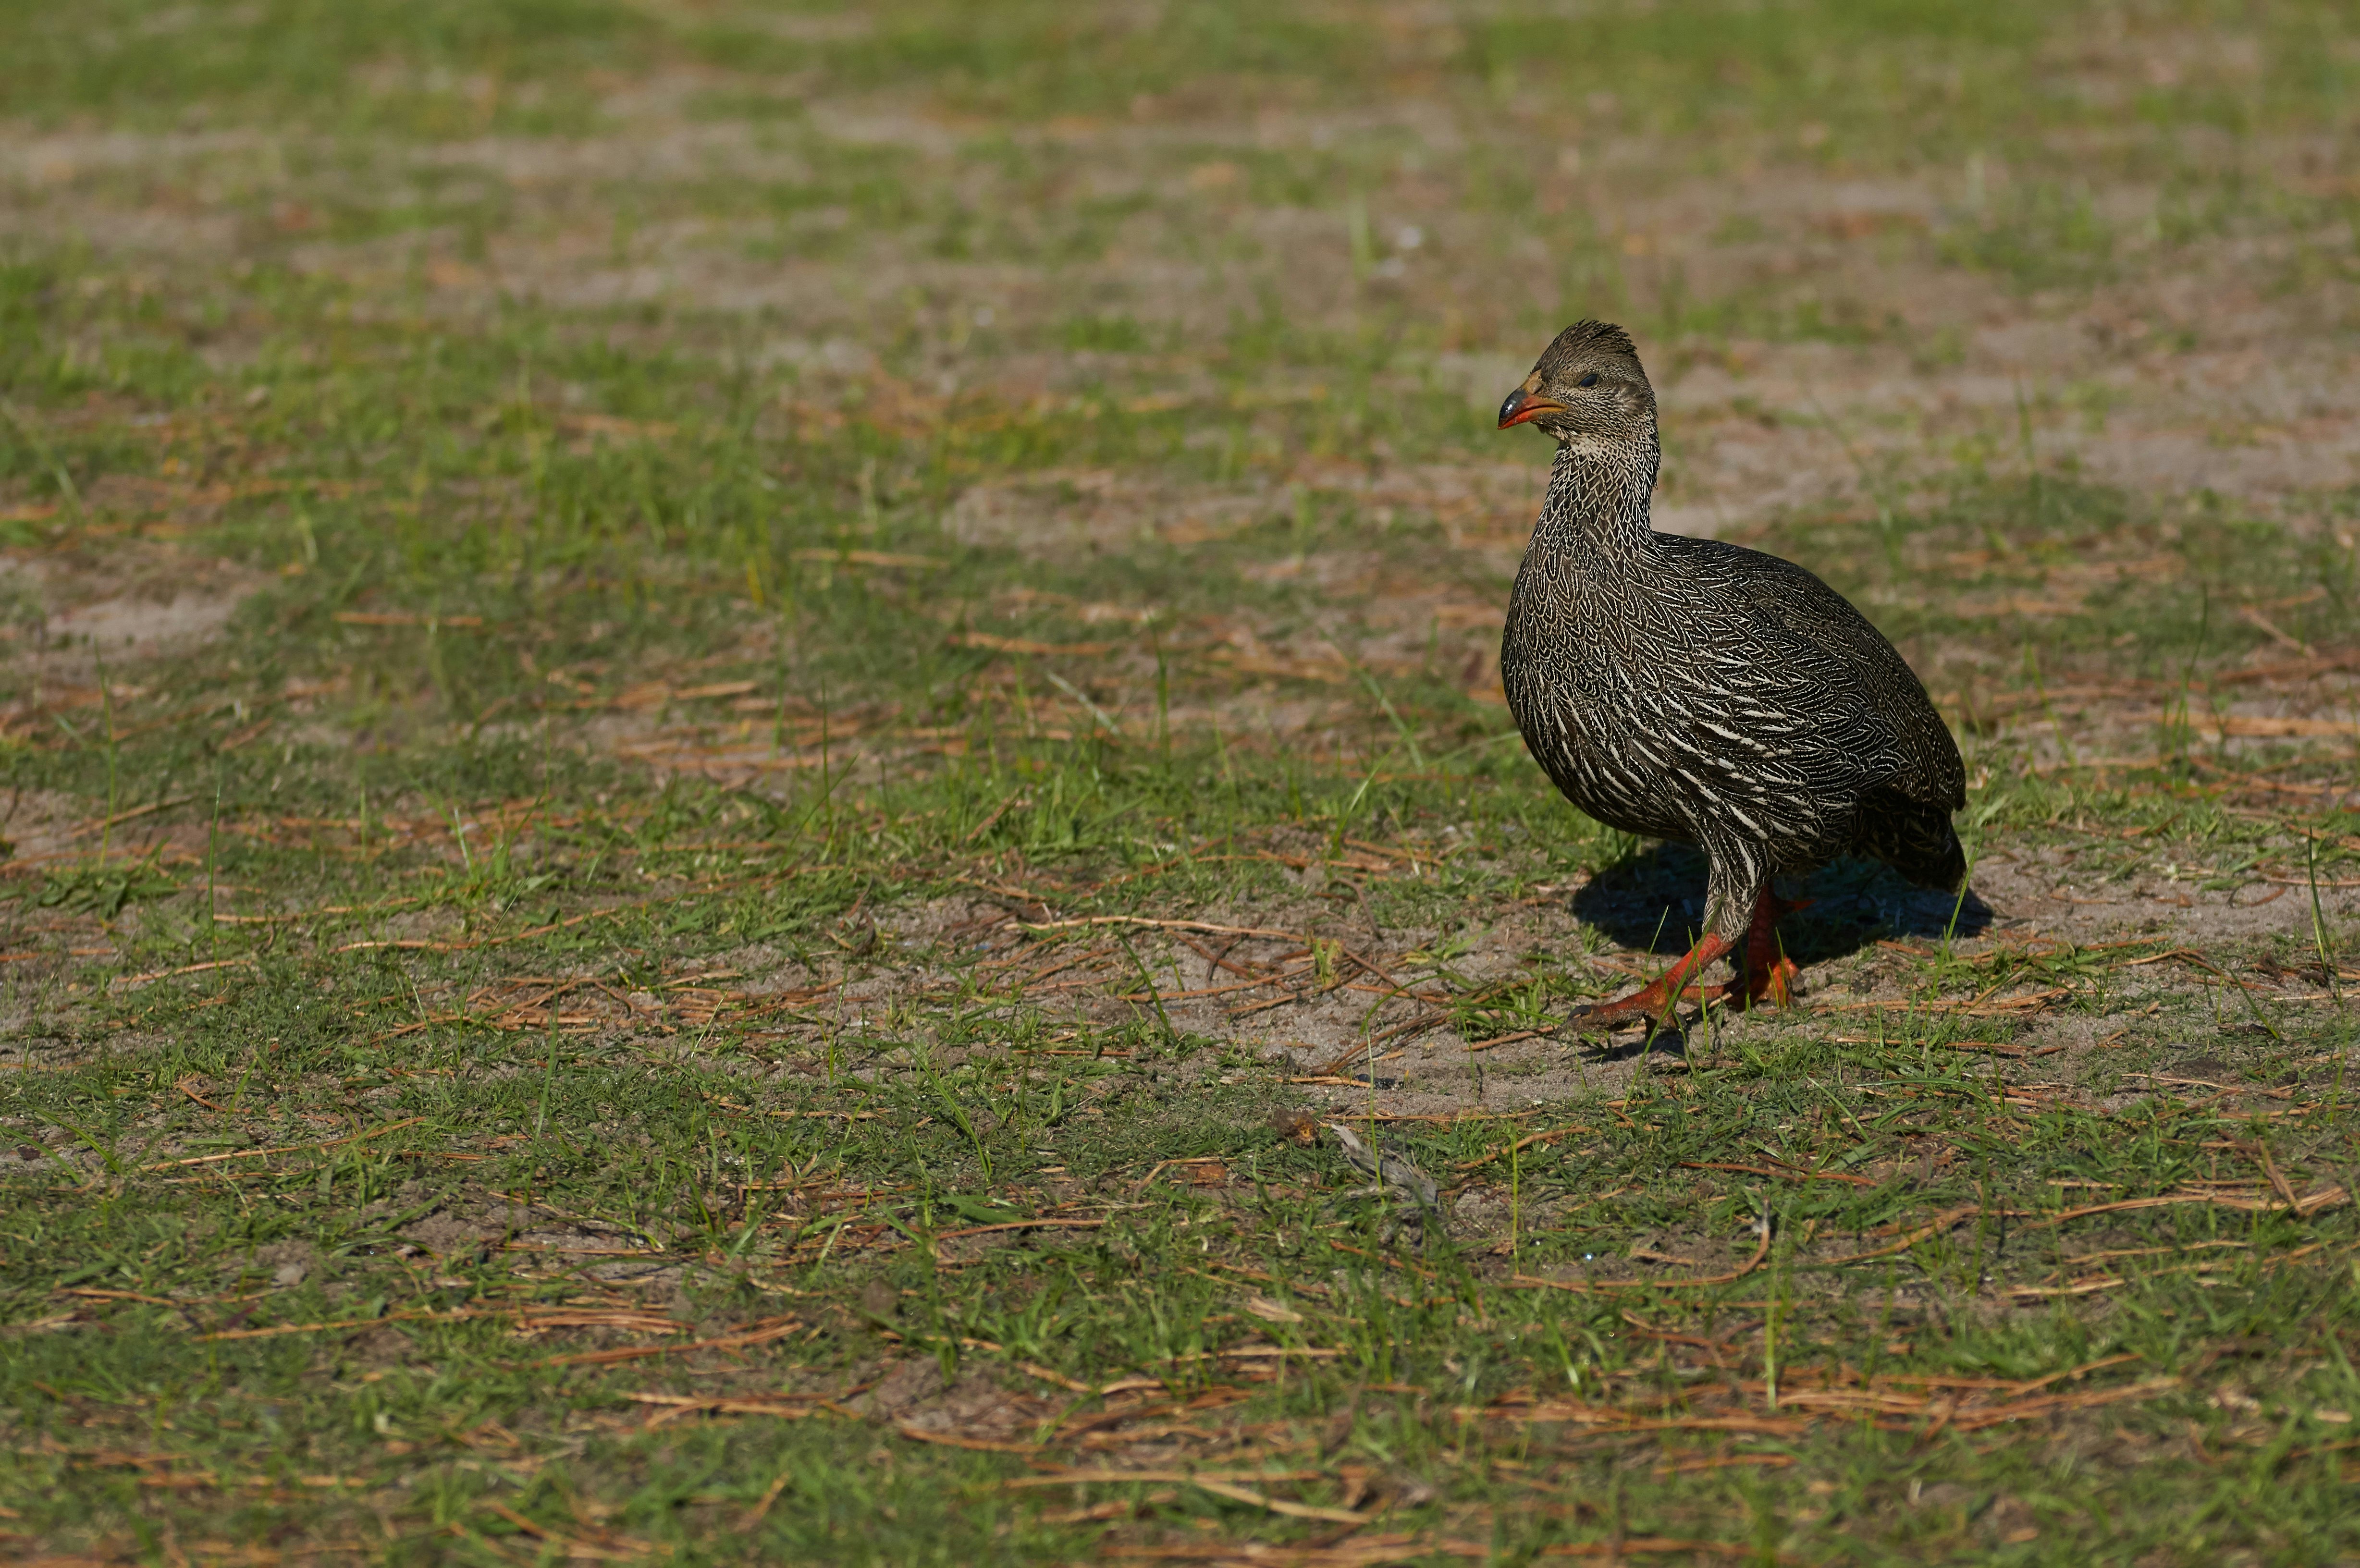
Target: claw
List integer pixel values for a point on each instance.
(1767, 974)
(1618, 1013)
(1654, 1002)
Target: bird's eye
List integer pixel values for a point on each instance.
(1589, 380)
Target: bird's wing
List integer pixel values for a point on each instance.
(1820, 664)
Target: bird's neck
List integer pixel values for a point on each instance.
(1598, 499)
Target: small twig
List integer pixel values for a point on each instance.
(1521, 1143)
(1070, 689)
(1512, 1038)
(1159, 925)
(1761, 1255)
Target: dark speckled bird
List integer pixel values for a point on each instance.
(1692, 690)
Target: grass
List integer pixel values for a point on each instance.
(725, 724)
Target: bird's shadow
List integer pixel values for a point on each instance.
(1655, 900)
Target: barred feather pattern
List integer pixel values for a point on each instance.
(1697, 690)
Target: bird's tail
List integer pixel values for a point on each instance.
(1915, 839)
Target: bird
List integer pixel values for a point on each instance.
(1696, 690)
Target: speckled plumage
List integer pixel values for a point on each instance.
(1693, 690)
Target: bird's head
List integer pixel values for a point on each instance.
(1587, 388)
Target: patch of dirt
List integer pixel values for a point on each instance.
(446, 1233)
(914, 1393)
(1048, 513)
(288, 1263)
(133, 629)
(125, 608)
(42, 823)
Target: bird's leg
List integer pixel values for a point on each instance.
(1736, 882)
(1769, 973)
(1765, 972)
(1653, 1002)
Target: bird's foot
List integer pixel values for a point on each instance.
(1651, 1004)
(1638, 1007)
(1769, 975)
(1776, 981)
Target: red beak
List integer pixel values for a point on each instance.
(1523, 405)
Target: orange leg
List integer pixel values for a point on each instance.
(1769, 973)
(1652, 1003)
